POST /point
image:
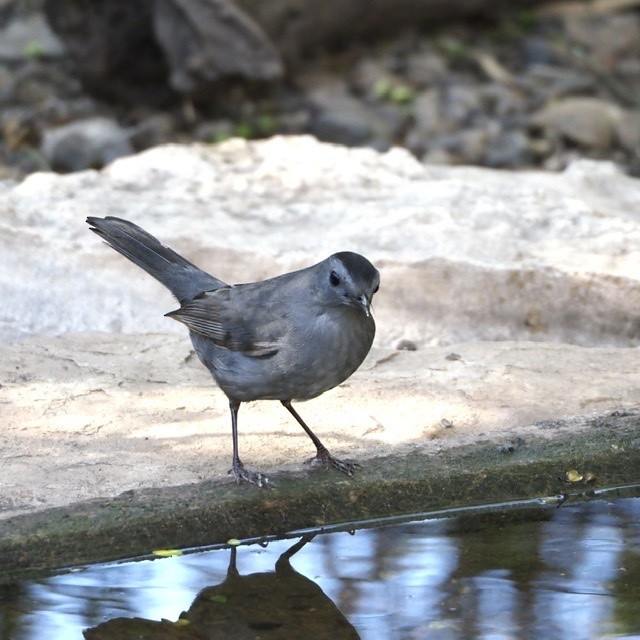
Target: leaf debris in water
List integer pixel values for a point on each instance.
(166, 553)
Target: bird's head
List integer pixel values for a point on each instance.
(348, 278)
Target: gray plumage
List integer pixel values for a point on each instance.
(287, 338)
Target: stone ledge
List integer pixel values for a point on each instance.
(210, 512)
(132, 425)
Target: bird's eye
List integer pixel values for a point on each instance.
(334, 279)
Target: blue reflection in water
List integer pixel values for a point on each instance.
(572, 572)
(582, 554)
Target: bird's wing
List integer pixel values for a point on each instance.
(229, 321)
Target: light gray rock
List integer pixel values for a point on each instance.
(590, 122)
(465, 253)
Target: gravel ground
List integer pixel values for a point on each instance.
(533, 89)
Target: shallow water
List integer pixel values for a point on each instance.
(542, 571)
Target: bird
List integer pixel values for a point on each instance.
(288, 338)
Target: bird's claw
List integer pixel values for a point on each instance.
(241, 474)
(325, 460)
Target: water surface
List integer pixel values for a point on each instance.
(570, 572)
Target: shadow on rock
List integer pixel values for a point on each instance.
(273, 605)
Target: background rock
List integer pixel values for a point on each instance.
(299, 26)
(205, 40)
(587, 121)
(85, 144)
(140, 51)
(465, 254)
(113, 47)
(342, 118)
(212, 38)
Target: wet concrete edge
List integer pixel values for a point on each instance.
(134, 523)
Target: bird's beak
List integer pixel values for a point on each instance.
(366, 304)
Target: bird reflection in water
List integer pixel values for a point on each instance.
(280, 605)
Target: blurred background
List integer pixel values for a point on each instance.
(514, 85)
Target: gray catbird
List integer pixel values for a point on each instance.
(291, 337)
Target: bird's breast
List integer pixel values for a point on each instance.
(330, 350)
(314, 355)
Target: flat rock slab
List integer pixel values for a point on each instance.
(94, 415)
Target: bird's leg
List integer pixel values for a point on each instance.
(237, 468)
(282, 565)
(323, 457)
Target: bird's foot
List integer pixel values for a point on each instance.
(325, 460)
(241, 474)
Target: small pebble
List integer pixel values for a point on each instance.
(406, 345)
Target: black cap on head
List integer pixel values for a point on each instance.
(357, 265)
